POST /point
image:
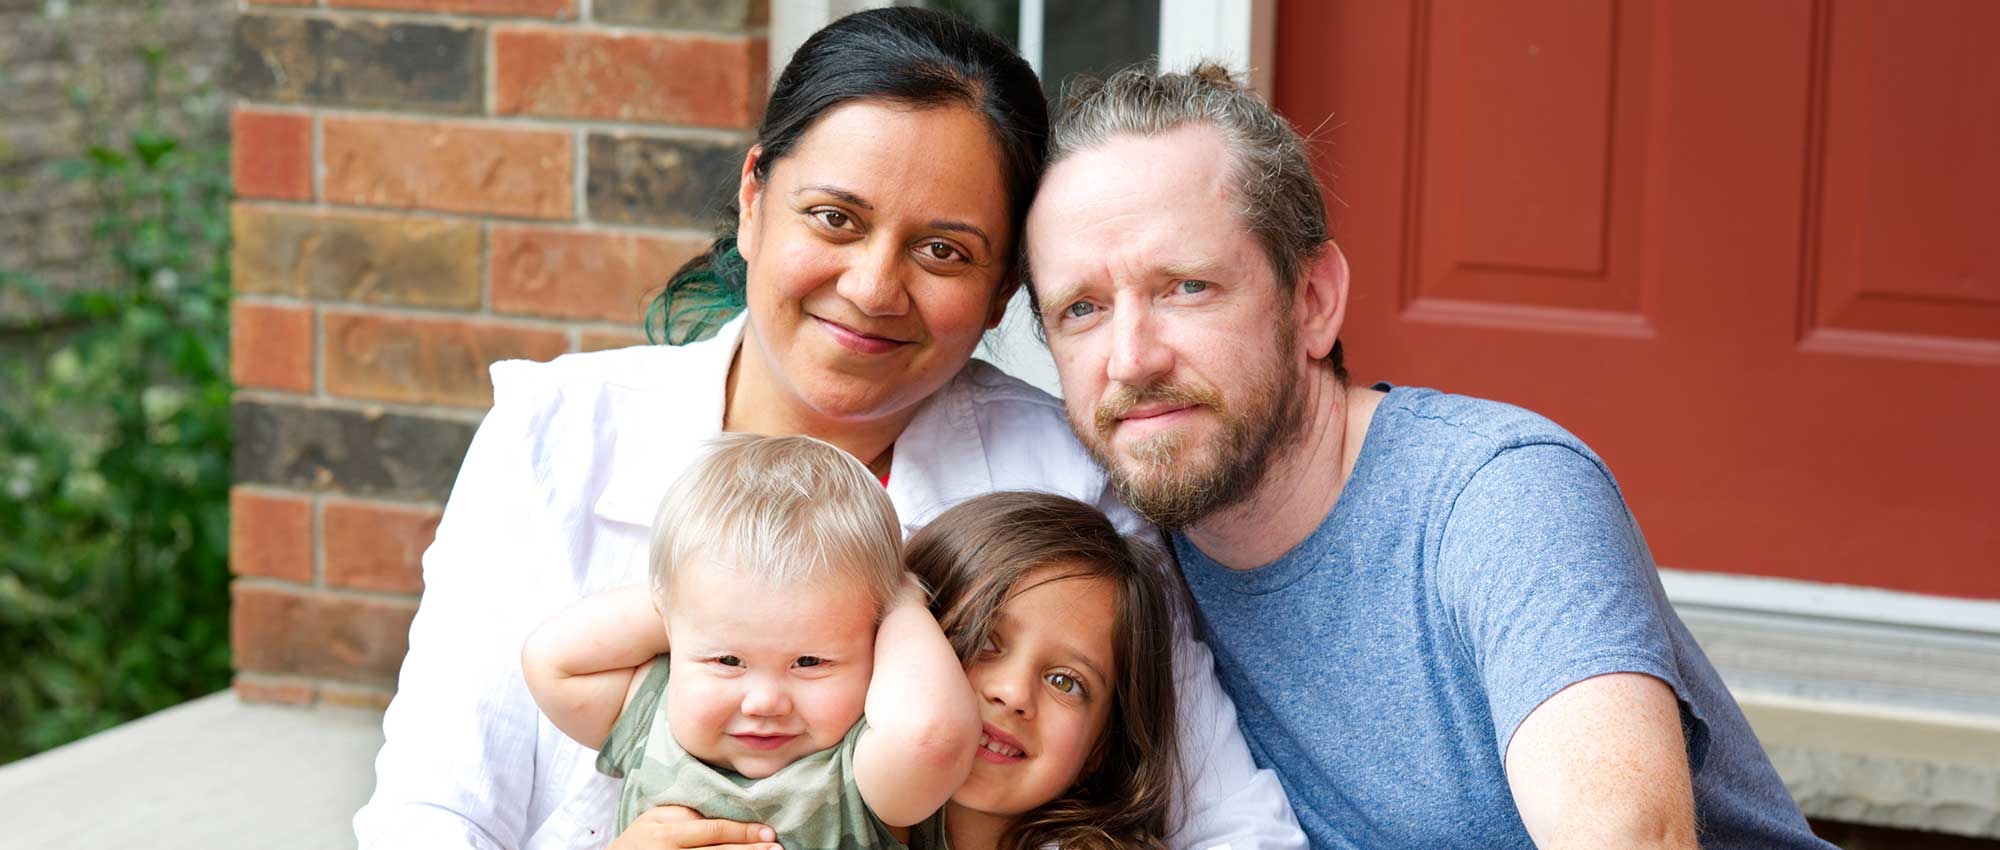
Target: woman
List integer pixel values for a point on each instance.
(874, 239)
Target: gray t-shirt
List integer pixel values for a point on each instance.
(1479, 560)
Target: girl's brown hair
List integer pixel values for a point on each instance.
(975, 555)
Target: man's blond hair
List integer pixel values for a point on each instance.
(787, 510)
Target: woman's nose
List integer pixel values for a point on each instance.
(874, 284)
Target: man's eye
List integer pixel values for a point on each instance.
(1190, 287)
(1063, 682)
(1079, 310)
(808, 661)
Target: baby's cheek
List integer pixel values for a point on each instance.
(697, 711)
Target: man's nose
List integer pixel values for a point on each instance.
(874, 284)
(1138, 358)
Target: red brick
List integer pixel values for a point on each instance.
(573, 275)
(254, 688)
(376, 546)
(281, 2)
(270, 346)
(425, 361)
(270, 535)
(523, 8)
(367, 257)
(341, 637)
(600, 340)
(672, 79)
(450, 167)
(271, 155)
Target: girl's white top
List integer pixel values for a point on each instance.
(556, 500)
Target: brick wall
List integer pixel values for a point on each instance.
(73, 74)
(428, 186)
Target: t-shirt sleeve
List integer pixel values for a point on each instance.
(1542, 569)
(626, 745)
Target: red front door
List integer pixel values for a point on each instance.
(1750, 252)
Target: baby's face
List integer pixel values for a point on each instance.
(765, 674)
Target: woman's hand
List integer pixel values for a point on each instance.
(682, 828)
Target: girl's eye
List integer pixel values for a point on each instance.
(1063, 682)
(833, 218)
(1079, 310)
(988, 646)
(729, 661)
(808, 661)
(1191, 287)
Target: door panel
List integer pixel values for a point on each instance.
(1740, 248)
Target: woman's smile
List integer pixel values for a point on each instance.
(858, 341)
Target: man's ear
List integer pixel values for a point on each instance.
(749, 190)
(1319, 302)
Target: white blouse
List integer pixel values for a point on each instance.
(555, 501)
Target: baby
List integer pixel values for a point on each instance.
(807, 686)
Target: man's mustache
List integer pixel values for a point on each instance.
(1121, 402)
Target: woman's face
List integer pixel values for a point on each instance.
(1044, 679)
(875, 251)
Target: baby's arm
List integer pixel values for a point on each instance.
(580, 664)
(923, 719)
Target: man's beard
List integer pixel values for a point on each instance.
(1174, 481)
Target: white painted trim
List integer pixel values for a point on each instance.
(1237, 33)
(1031, 25)
(1814, 600)
(794, 21)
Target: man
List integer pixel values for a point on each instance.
(1437, 617)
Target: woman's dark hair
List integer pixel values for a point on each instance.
(908, 55)
(975, 556)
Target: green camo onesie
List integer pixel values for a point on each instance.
(812, 803)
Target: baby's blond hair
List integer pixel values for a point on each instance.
(786, 510)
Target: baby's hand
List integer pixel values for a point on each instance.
(682, 828)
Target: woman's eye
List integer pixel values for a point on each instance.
(943, 251)
(729, 661)
(808, 661)
(1063, 682)
(1191, 287)
(833, 218)
(1079, 310)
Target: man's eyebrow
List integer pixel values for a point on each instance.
(1060, 298)
(839, 194)
(1199, 269)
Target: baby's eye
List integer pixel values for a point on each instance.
(808, 661)
(1063, 682)
(729, 661)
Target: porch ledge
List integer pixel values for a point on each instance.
(213, 773)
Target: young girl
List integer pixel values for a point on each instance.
(1065, 630)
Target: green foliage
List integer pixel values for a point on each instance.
(114, 460)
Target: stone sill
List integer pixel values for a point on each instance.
(217, 774)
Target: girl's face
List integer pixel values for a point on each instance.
(875, 250)
(1044, 679)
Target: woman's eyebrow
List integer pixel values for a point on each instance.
(965, 228)
(839, 194)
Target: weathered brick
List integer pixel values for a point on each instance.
(270, 535)
(372, 546)
(452, 167)
(277, 631)
(562, 9)
(672, 79)
(366, 257)
(271, 346)
(425, 361)
(271, 155)
(385, 455)
(356, 696)
(599, 340)
(725, 15)
(281, 2)
(251, 687)
(358, 62)
(572, 275)
(662, 182)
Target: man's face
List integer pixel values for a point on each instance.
(1176, 349)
